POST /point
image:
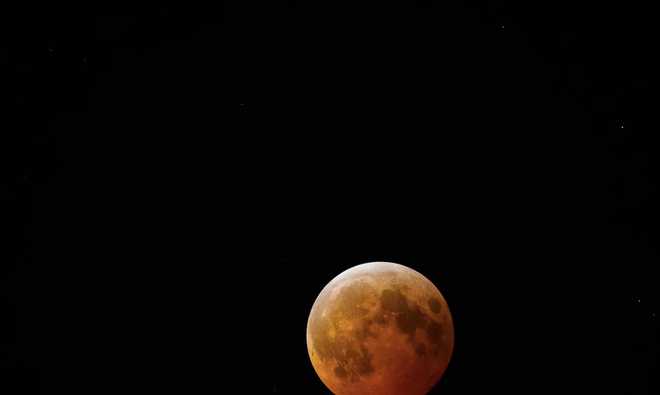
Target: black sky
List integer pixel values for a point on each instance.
(183, 182)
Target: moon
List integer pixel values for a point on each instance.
(380, 328)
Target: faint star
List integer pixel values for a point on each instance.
(51, 51)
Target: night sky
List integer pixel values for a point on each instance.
(178, 185)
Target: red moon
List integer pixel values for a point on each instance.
(380, 328)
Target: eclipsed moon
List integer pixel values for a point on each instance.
(380, 328)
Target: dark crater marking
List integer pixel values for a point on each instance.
(410, 317)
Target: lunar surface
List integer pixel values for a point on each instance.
(380, 328)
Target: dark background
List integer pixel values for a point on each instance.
(181, 183)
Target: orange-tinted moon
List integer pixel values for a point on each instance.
(380, 328)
